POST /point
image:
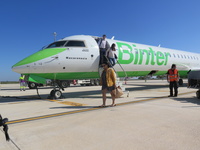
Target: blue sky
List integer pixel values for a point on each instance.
(27, 26)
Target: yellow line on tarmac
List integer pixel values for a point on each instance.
(186, 93)
(49, 116)
(83, 110)
(71, 103)
(67, 103)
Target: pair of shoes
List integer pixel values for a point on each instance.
(102, 106)
(170, 96)
(175, 95)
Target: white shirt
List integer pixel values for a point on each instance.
(102, 43)
(111, 53)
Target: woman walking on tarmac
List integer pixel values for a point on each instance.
(108, 82)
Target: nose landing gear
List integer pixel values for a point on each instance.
(56, 92)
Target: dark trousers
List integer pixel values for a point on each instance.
(173, 85)
(102, 55)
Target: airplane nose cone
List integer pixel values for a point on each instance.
(24, 65)
(21, 69)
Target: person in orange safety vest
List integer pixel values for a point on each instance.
(172, 78)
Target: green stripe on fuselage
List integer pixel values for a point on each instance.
(93, 75)
(40, 55)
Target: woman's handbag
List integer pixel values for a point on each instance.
(119, 92)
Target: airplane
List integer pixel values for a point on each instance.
(77, 57)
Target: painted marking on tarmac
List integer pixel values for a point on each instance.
(84, 110)
(71, 103)
(67, 103)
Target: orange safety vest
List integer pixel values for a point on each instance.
(173, 75)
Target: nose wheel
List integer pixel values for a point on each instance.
(56, 94)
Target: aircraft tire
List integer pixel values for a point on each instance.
(56, 94)
(65, 84)
(198, 94)
(180, 82)
(92, 82)
(32, 85)
(52, 93)
(96, 82)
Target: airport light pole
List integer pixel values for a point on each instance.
(55, 34)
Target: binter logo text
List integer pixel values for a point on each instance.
(130, 54)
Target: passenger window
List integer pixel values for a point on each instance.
(167, 55)
(75, 44)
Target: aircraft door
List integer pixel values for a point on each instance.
(93, 59)
(83, 55)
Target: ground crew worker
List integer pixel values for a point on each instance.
(22, 83)
(172, 78)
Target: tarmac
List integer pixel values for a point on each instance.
(146, 120)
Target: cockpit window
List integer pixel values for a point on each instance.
(75, 44)
(57, 44)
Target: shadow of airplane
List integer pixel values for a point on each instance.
(83, 94)
(193, 100)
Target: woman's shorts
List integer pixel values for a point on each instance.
(110, 89)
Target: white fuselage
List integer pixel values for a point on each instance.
(64, 60)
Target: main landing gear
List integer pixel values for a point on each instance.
(198, 94)
(180, 82)
(56, 92)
